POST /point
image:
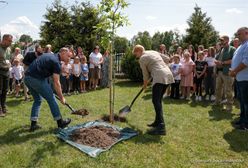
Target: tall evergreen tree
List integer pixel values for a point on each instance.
(26, 38)
(55, 29)
(84, 19)
(143, 38)
(200, 29)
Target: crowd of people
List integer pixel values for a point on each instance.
(220, 71)
(202, 73)
(78, 75)
(198, 74)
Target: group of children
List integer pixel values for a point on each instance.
(192, 75)
(74, 75)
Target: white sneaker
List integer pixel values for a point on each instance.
(182, 97)
(212, 98)
(200, 98)
(223, 101)
(196, 98)
(188, 98)
(207, 97)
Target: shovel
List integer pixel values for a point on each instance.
(70, 107)
(82, 112)
(127, 108)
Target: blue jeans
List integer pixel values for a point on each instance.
(242, 87)
(41, 88)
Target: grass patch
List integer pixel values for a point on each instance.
(197, 135)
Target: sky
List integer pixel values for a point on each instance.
(19, 17)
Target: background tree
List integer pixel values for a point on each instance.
(200, 30)
(121, 44)
(144, 39)
(84, 18)
(25, 38)
(55, 30)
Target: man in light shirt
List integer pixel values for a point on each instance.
(239, 70)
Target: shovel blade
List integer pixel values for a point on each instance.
(124, 111)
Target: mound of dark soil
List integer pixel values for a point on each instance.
(96, 136)
(82, 112)
(116, 118)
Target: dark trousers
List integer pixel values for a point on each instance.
(10, 84)
(209, 81)
(198, 83)
(76, 83)
(65, 84)
(235, 89)
(4, 82)
(243, 99)
(157, 96)
(175, 89)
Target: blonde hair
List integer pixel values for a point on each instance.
(211, 51)
(138, 47)
(176, 56)
(200, 53)
(84, 59)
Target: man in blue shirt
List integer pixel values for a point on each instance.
(239, 70)
(36, 80)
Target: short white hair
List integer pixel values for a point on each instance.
(64, 49)
(138, 47)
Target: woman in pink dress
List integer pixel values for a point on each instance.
(187, 75)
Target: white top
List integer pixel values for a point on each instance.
(175, 69)
(10, 73)
(96, 59)
(66, 69)
(77, 69)
(210, 61)
(17, 72)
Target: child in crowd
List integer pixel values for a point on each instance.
(76, 72)
(210, 79)
(65, 76)
(10, 80)
(200, 70)
(18, 73)
(84, 75)
(187, 75)
(176, 71)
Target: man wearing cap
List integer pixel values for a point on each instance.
(5, 55)
(223, 80)
(239, 70)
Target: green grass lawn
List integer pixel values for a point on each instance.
(197, 135)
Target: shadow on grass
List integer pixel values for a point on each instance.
(144, 138)
(174, 101)
(13, 102)
(237, 140)
(217, 114)
(202, 103)
(21, 134)
(128, 83)
(44, 149)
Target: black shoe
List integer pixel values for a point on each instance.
(152, 124)
(34, 126)
(5, 110)
(63, 123)
(157, 131)
(242, 127)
